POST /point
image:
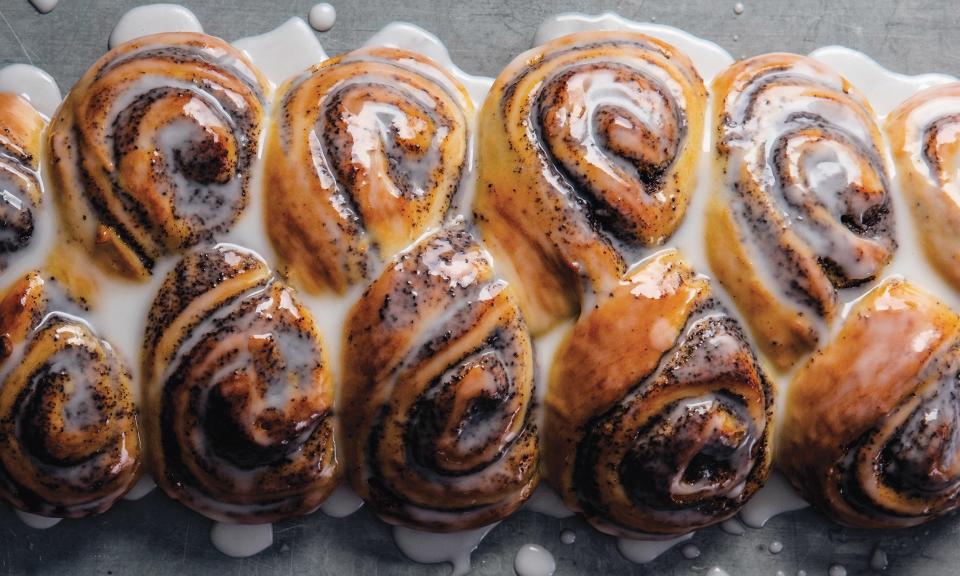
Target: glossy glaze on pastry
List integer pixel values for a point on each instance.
(239, 398)
(437, 404)
(21, 193)
(924, 136)
(658, 414)
(871, 430)
(69, 439)
(801, 205)
(151, 152)
(366, 152)
(586, 151)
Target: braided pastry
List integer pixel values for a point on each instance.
(587, 149)
(802, 203)
(152, 150)
(367, 152)
(239, 396)
(438, 396)
(871, 427)
(658, 413)
(69, 440)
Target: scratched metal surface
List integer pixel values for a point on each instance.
(155, 536)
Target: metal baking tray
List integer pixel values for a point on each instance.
(156, 536)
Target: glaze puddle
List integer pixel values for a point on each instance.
(433, 548)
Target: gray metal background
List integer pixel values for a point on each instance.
(155, 536)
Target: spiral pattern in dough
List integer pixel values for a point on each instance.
(802, 201)
(438, 396)
(924, 136)
(20, 188)
(658, 413)
(367, 152)
(239, 397)
(587, 149)
(69, 440)
(152, 150)
(872, 431)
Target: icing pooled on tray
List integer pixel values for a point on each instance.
(153, 19)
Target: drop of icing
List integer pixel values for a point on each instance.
(322, 16)
(738, 8)
(534, 560)
(33, 84)
(36, 521)
(733, 526)
(241, 540)
(433, 548)
(645, 551)
(837, 570)
(717, 571)
(547, 502)
(144, 486)
(776, 497)
(153, 19)
(568, 537)
(44, 6)
(879, 560)
(776, 547)
(341, 503)
(690, 551)
(285, 51)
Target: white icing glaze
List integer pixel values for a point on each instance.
(546, 501)
(433, 548)
(708, 57)
(776, 547)
(322, 16)
(36, 521)
(153, 19)
(284, 51)
(534, 560)
(44, 6)
(716, 571)
(878, 560)
(568, 537)
(241, 540)
(776, 497)
(341, 503)
(416, 39)
(33, 84)
(646, 551)
(145, 485)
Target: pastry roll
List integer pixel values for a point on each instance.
(658, 413)
(365, 156)
(801, 205)
(20, 187)
(870, 431)
(924, 139)
(588, 148)
(152, 150)
(239, 396)
(69, 440)
(438, 396)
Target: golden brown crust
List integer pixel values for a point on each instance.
(801, 205)
(924, 141)
(587, 148)
(239, 395)
(658, 413)
(152, 150)
(870, 429)
(69, 439)
(366, 153)
(438, 395)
